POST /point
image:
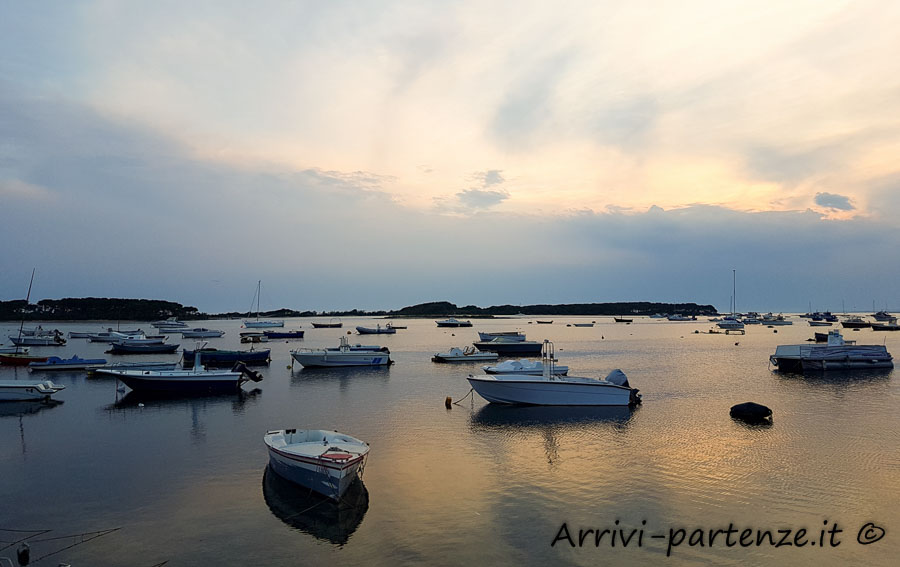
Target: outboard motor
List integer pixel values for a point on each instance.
(618, 378)
(251, 374)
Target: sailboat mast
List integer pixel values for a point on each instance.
(258, 289)
(22, 320)
(733, 292)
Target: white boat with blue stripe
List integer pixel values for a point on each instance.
(344, 355)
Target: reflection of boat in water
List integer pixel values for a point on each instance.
(313, 513)
(502, 416)
(17, 408)
(137, 399)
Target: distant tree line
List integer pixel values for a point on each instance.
(111, 309)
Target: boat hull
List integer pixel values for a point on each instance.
(328, 359)
(14, 359)
(550, 392)
(154, 348)
(263, 324)
(177, 381)
(284, 334)
(376, 331)
(20, 390)
(329, 477)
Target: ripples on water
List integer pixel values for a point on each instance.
(186, 478)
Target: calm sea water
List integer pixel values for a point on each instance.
(185, 479)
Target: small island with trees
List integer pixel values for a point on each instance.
(116, 309)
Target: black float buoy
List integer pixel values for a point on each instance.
(751, 412)
(448, 403)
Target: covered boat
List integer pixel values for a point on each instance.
(524, 366)
(550, 389)
(335, 323)
(836, 354)
(468, 354)
(20, 390)
(325, 461)
(151, 348)
(451, 322)
(284, 334)
(505, 346)
(74, 363)
(343, 355)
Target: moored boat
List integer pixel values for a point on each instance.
(20, 359)
(217, 357)
(506, 347)
(284, 334)
(452, 323)
(510, 335)
(24, 390)
(551, 389)
(152, 348)
(468, 354)
(201, 333)
(377, 330)
(325, 461)
(836, 354)
(54, 339)
(73, 363)
(194, 380)
(855, 322)
(334, 323)
(343, 355)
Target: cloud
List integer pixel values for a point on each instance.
(832, 201)
(492, 177)
(481, 199)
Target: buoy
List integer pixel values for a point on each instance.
(348, 332)
(448, 403)
(774, 330)
(751, 412)
(736, 344)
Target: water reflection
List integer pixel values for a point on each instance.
(343, 375)
(493, 416)
(23, 407)
(141, 400)
(312, 513)
(836, 377)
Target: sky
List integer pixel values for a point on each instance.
(375, 155)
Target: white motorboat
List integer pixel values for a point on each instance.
(468, 354)
(54, 339)
(18, 390)
(344, 355)
(202, 333)
(170, 322)
(836, 354)
(193, 380)
(524, 366)
(151, 365)
(13, 349)
(550, 389)
(325, 461)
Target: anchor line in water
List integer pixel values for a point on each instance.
(464, 397)
(85, 537)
